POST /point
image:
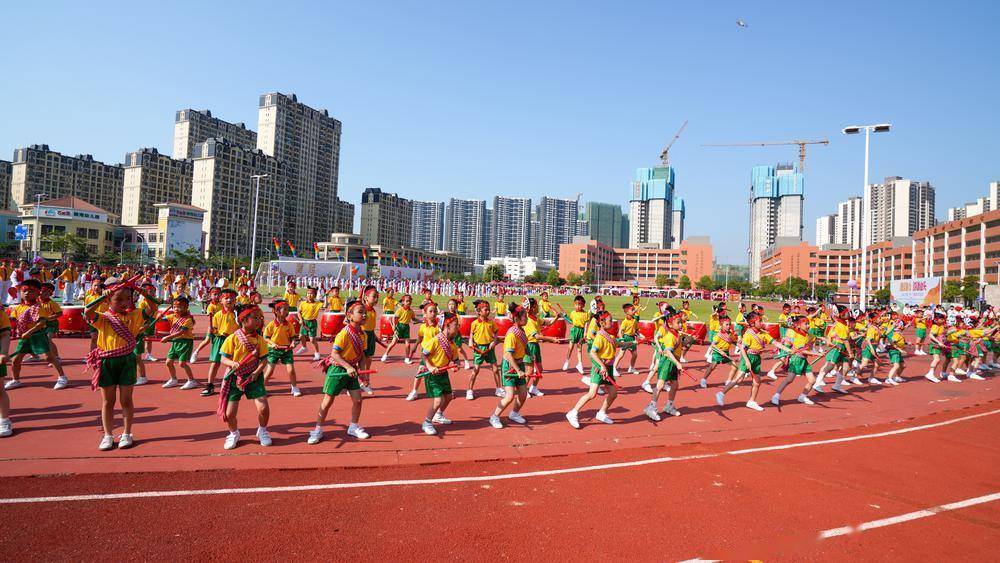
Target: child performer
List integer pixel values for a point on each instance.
(401, 329)
(669, 366)
(333, 301)
(224, 324)
(577, 320)
(602, 354)
(515, 345)
(181, 340)
(242, 352)
(869, 355)
(801, 343)
(149, 308)
(687, 340)
(369, 297)
(292, 296)
(6, 427)
(459, 341)
(113, 362)
(51, 311)
(31, 331)
(440, 354)
(309, 313)
(840, 350)
(483, 337)
(342, 366)
(627, 331)
(755, 338)
(533, 355)
(721, 347)
(920, 326)
(428, 329)
(936, 347)
(211, 307)
(280, 335)
(896, 344)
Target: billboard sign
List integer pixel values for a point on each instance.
(916, 291)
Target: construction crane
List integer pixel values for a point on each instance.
(665, 155)
(801, 143)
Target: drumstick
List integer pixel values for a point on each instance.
(446, 369)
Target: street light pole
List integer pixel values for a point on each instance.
(253, 237)
(866, 206)
(37, 238)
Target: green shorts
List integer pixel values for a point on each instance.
(959, 349)
(489, 357)
(933, 349)
(512, 379)
(337, 380)
(710, 336)
(438, 384)
(309, 328)
(718, 358)
(117, 371)
(836, 354)
(781, 331)
(575, 334)
(666, 370)
(37, 344)
(921, 332)
(254, 389)
(895, 356)
(817, 332)
(754, 363)
(533, 355)
(597, 379)
(866, 354)
(402, 331)
(280, 356)
(798, 365)
(627, 342)
(370, 346)
(180, 350)
(51, 327)
(140, 345)
(216, 351)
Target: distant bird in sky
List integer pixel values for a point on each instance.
(741, 23)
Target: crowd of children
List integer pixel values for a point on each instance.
(849, 348)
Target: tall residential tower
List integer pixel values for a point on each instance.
(776, 194)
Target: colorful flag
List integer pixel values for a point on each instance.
(277, 245)
(364, 254)
(291, 247)
(420, 261)
(316, 248)
(336, 251)
(406, 262)
(393, 257)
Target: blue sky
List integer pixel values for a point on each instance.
(472, 99)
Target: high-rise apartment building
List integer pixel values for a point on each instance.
(651, 208)
(39, 170)
(386, 218)
(6, 202)
(847, 226)
(557, 222)
(678, 213)
(344, 217)
(604, 223)
(826, 227)
(193, 127)
(978, 207)
(899, 208)
(223, 187)
(776, 194)
(427, 232)
(151, 178)
(307, 142)
(510, 228)
(466, 229)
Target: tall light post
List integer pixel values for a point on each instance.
(37, 236)
(253, 237)
(866, 206)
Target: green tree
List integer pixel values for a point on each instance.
(573, 279)
(970, 289)
(533, 277)
(553, 279)
(766, 286)
(685, 282)
(705, 283)
(587, 278)
(883, 295)
(794, 287)
(952, 291)
(493, 272)
(742, 286)
(661, 280)
(188, 258)
(70, 246)
(825, 291)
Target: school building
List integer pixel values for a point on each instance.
(348, 247)
(692, 258)
(67, 215)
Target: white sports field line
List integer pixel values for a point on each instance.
(916, 515)
(480, 478)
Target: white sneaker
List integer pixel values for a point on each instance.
(566, 365)
(193, 358)
(579, 368)
(125, 441)
(469, 395)
(720, 398)
(412, 396)
(172, 382)
(891, 381)
(263, 436)
(231, 440)
(190, 384)
(6, 428)
(585, 380)
(670, 409)
(855, 364)
(839, 389)
(366, 389)
(617, 373)
(600, 390)
(384, 358)
(107, 442)
(703, 383)
(633, 371)
(929, 376)
(684, 360)
(407, 361)
(650, 411)
(874, 381)
(919, 352)
(776, 400)
(753, 405)
(62, 383)
(12, 384)
(357, 431)
(500, 392)
(466, 364)
(960, 371)
(296, 392)
(802, 398)
(603, 417)
(951, 377)
(976, 376)
(495, 421)
(141, 380)
(440, 418)
(300, 350)
(535, 392)
(855, 381)
(315, 356)
(148, 358)
(315, 435)
(574, 421)
(818, 387)
(647, 387)
(428, 428)
(516, 417)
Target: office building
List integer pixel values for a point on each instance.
(510, 227)
(651, 208)
(344, 216)
(6, 202)
(427, 232)
(981, 205)
(39, 170)
(899, 208)
(177, 229)
(557, 222)
(516, 269)
(466, 228)
(67, 215)
(692, 258)
(222, 186)
(8, 221)
(678, 213)
(604, 224)
(307, 143)
(386, 218)
(776, 194)
(193, 127)
(151, 178)
(826, 230)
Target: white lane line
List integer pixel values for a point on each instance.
(476, 478)
(916, 515)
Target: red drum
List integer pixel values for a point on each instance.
(330, 324)
(465, 325)
(698, 330)
(773, 329)
(162, 325)
(72, 320)
(647, 329)
(386, 324)
(556, 330)
(503, 324)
